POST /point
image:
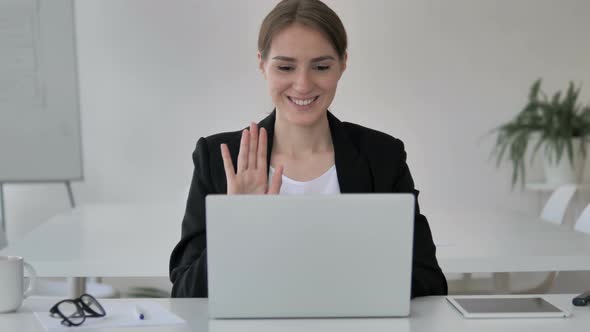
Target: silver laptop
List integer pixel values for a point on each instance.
(273, 256)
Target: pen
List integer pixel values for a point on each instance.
(582, 299)
(139, 313)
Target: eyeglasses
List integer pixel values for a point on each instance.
(74, 312)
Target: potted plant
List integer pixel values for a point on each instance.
(559, 124)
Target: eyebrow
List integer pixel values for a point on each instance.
(289, 59)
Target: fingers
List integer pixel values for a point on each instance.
(244, 150)
(253, 146)
(276, 181)
(228, 165)
(262, 141)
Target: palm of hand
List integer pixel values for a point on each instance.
(251, 182)
(252, 169)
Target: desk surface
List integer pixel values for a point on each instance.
(504, 241)
(134, 240)
(427, 314)
(103, 241)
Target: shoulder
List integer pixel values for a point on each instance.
(207, 143)
(208, 161)
(385, 156)
(230, 138)
(207, 152)
(371, 141)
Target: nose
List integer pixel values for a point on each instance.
(303, 82)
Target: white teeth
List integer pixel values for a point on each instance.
(302, 102)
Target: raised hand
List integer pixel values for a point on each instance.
(252, 174)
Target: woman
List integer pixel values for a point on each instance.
(301, 146)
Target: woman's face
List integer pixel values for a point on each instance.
(302, 69)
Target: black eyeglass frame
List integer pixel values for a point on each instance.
(83, 310)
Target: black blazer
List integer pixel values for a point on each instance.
(367, 161)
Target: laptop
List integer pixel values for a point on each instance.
(273, 256)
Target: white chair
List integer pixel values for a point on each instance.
(556, 206)
(583, 222)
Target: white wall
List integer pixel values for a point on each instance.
(157, 75)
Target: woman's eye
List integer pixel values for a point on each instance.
(285, 68)
(322, 67)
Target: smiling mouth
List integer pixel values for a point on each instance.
(303, 102)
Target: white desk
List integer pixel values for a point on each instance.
(476, 241)
(103, 241)
(128, 241)
(427, 314)
(549, 187)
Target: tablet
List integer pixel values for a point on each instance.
(506, 306)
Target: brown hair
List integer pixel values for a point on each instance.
(311, 13)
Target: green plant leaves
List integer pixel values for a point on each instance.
(558, 121)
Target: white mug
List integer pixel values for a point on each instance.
(12, 288)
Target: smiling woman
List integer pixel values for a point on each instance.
(302, 69)
(301, 146)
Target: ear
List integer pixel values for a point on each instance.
(343, 63)
(261, 65)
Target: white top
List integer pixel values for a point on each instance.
(325, 184)
(427, 314)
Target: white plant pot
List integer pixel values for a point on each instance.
(564, 172)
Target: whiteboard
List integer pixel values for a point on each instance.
(40, 138)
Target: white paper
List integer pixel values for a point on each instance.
(119, 314)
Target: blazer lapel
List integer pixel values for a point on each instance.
(354, 173)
